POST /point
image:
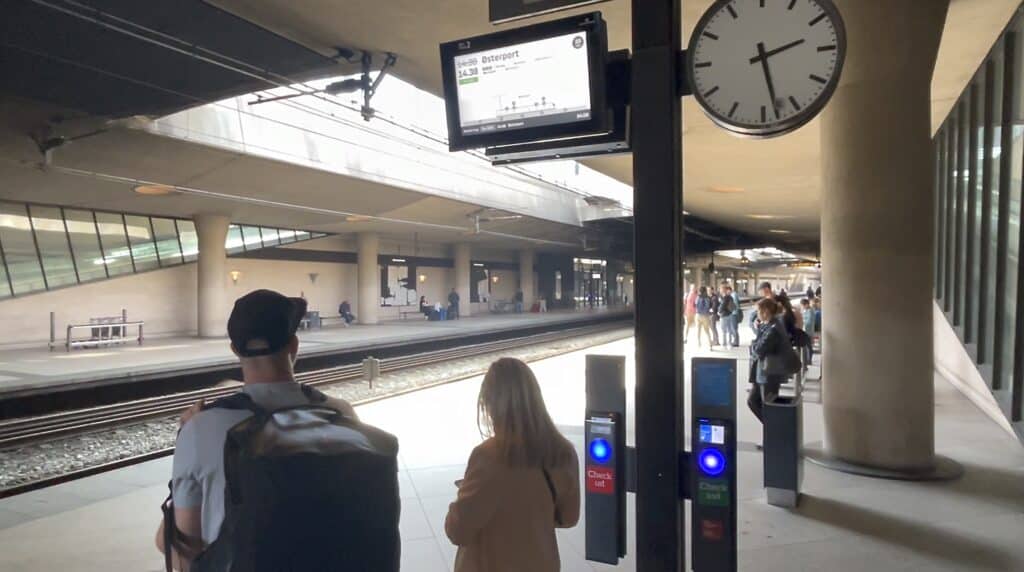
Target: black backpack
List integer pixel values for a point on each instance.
(296, 503)
(727, 306)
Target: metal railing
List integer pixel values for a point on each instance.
(103, 331)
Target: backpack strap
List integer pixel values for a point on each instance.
(314, 395)
(237, 401)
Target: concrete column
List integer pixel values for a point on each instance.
(877, 236)
(369, 278)
(463, 269)
(526, 277)
(212, 303)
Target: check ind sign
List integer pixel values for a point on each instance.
(508, 10)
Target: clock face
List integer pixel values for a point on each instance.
(765, 67)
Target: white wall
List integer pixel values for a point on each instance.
(334, 282)
(955, 365)
(164, 299)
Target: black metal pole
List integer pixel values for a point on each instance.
(657, 208)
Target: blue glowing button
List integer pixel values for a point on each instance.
(711, 462)
(600, 450)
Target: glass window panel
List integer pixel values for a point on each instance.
(251, 236)
(977, 281)
(995, 100)
(114, 243)
(950, 176)
(20, 249)
(234, 241)
(974, 194)
(5, 286)
(270, 237)
(167, 245)
(189, 239)
(1009, 297)
(940, 210)
(85, 244)
(53, 246)
(962, 173)
(140, 235)
(286, 235)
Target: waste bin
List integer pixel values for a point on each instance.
(783, 440)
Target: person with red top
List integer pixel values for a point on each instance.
(690, 311)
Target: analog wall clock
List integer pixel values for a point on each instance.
(763, 68)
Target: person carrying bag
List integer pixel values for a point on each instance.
(773, 359)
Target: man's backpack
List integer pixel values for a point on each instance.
(307, 489)
(727, 306)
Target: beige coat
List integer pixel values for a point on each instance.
(504, 518)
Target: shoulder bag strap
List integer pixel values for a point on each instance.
(174, 540)
(554, 496)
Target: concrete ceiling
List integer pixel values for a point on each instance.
(101, 171)
(776, 186)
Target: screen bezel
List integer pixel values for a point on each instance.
(597, 40)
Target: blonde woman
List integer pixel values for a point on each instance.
(521, 483)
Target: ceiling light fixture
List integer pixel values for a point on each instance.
(154, 190)
(726, 190)
(778, 231)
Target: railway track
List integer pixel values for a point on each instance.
(21, 431)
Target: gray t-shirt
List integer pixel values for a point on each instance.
(197, 478)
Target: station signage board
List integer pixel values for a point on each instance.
(508, 10)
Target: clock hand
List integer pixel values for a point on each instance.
(767, 76)
(765, 55)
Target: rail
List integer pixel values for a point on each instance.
(19, 431)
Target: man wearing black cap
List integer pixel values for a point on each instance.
(262, 330)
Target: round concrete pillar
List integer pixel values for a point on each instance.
(368, 301)
(463, 269)
(877, 238)
(526, 277)
(212, 303)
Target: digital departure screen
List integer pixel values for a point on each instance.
(533, 84)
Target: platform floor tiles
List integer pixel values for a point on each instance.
(28, 369)
(844, 523)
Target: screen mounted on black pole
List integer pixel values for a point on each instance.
(529, 84)
(508, 10)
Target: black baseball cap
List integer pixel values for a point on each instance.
(263, 322)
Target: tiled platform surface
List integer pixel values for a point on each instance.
(845, 523)
(24, 370)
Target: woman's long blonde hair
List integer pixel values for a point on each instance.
(511, 409)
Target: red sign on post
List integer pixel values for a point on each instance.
(712, 529)
(601, 480)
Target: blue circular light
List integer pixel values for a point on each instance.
(600, 451)
(711, 462)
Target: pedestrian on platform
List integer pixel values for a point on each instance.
(310, 489)
(766, 292)
(716, 304)
(453, 305)
(727, 315)
(543, 305)
(519, 301)
(520, 484)
(345, 311)
(771, 357)
(703, 307)
(690, 311)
